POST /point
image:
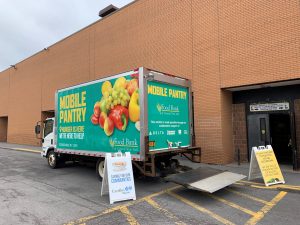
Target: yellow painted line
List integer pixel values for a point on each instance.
(164, 211)
(87, 218)
(27, 150)
(278, 187)
(130, 218)
(116, 208)
(240, 184)
(233, 205)
(273, 186)
(250, 182)
(247, 196)
(264, 210)
(201, 209)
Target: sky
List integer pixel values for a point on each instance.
(28, 26)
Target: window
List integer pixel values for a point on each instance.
(48, 127)
(263, 129)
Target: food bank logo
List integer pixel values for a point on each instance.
(161, 108)
(111, 143)
(119, 166)
(124, 142)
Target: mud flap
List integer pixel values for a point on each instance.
(205, 179)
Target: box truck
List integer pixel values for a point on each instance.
(144, 112)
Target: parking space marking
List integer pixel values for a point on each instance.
(166, 212)
(130, 218)
(265, 209)
(201, 209)
(275, 185)
(282, 187)
(248, 182)
(247, 196)
(278, 187)
(116, 208)
(233, 205)
(256, 216)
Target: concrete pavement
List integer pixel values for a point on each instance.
(32, 193)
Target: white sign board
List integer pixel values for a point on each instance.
(118, 177)
(269, 107)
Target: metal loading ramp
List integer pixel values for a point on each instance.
(205, 179)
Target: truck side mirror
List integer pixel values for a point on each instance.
(38, 129)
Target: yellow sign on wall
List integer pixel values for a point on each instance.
(263, 158)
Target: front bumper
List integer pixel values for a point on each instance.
(44, 152)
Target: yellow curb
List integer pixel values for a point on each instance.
(26, 150)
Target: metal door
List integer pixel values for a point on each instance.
(258, 130)
(293, 142)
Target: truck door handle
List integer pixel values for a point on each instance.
(51, 141)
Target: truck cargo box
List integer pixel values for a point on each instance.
(139, 111)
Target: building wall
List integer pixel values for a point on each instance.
(216, 44)
(240, 130)
(24, 105)
(205, 81)
(259, 41)
(4, 92)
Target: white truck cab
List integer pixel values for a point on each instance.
(48, 136)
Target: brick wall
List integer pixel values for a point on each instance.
(297, 126)
(4, 92)
(259, 41)
(207, 98)
(227, 131)
(240, 130)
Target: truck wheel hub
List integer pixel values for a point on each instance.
(101, 168)
(51, 160)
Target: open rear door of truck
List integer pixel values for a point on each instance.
(205, 179)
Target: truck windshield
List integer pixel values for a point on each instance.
(48, 127)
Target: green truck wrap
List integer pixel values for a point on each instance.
(168, 116)
(116, 113)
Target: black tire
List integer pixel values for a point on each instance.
(52, 159)
(100, 168)
(174, 163)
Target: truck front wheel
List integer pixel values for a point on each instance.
(100, 168)
(52, 159)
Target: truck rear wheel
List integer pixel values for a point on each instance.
(100, 168)
(52, 159)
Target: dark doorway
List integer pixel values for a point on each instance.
(3, 129)
(280, 132)
(271, 129)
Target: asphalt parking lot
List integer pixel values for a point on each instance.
(32, 193)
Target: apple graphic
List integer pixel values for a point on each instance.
(132, 86)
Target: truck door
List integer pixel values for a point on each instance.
(48, 133)
(258, 130)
